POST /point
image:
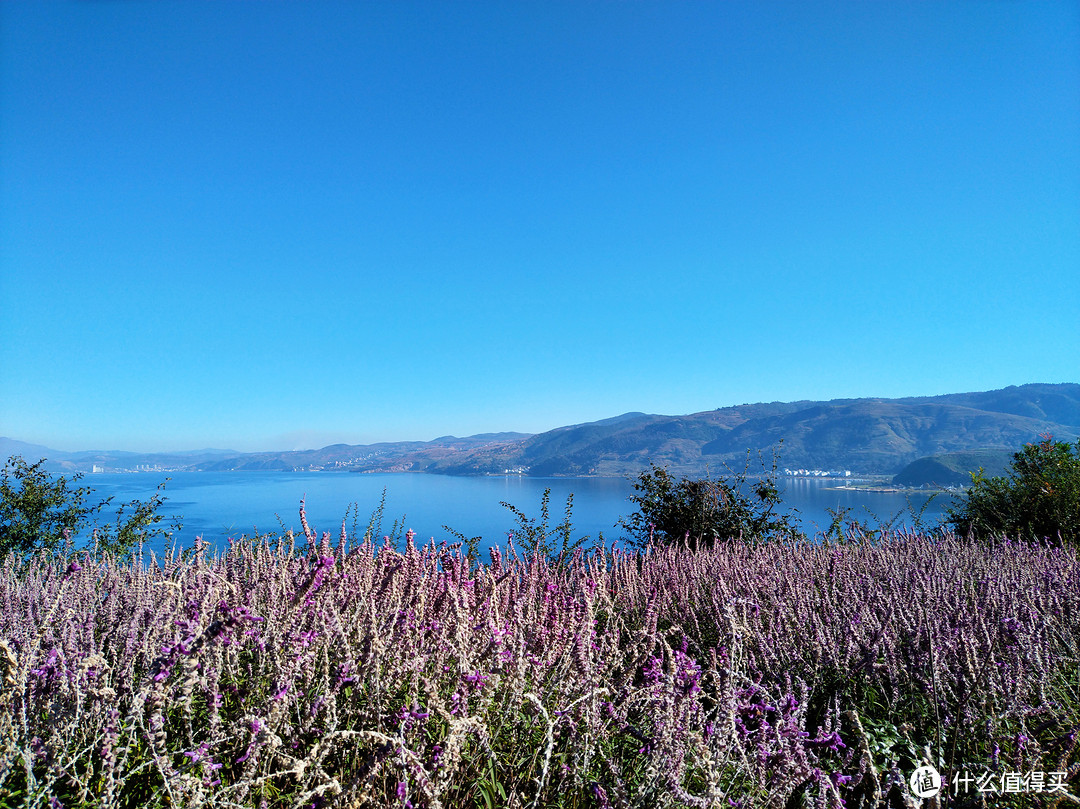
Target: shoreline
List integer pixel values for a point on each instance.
(888, 489)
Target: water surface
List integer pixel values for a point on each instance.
(217, 505)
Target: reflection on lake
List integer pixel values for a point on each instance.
(216, 505)
(812, 497)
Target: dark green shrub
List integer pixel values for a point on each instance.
(38, 509)
(1039, 498)
(708, 510)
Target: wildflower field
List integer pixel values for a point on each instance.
(348, 673)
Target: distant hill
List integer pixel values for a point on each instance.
(955, 468)
(397, 456)
(878, 436)
(866, 436)
(60, 461)
(30, 452)
(883, 435)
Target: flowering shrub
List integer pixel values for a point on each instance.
(728, 676)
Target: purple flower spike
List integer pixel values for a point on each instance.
(601, 796)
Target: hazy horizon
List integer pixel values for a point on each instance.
(280, 225)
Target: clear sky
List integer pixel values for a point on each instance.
(283, 225)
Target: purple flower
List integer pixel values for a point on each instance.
(601, 795)
(830, 741)
(345, 674)
(199, 753)
(49, 670)
(653, 670)
(477, 679)
(687, 674)
(407, 716)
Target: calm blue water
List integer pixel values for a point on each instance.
(216, 505)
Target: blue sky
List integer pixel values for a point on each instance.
(282, 225)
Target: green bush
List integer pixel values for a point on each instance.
(38, 512)
(708, 510)
(1038, 499)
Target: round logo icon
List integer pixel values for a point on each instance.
(925, 782)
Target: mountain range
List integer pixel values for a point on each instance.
(865, 436)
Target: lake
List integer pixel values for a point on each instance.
(217, 505)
